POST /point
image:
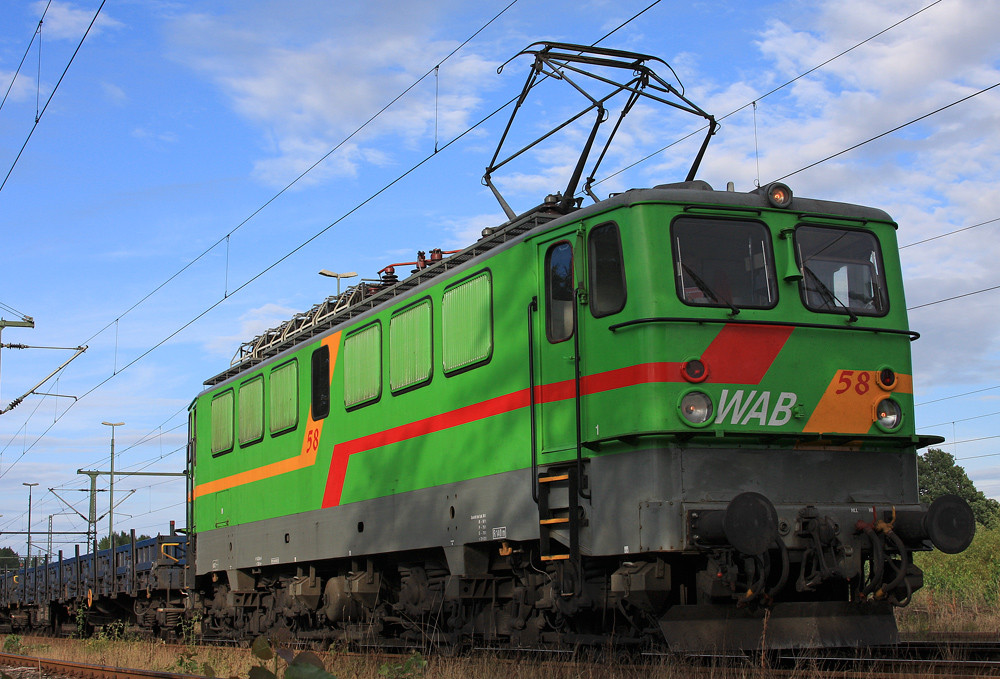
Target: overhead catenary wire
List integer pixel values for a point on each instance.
(973, 457)
(247, 219)
(888, 132)
(38, 116)
(953, 298)
(316, 235)
(225, 238)
(416, 82)
(10, 309)
(36, 33)
(344, 216)
(967, 393)
(964, 419)
(772, 91)
(949, 233)
(306, 243)
(409, 88)
(288, 254)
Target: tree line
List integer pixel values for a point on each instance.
(938, 475)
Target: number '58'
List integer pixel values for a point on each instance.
(312, 440)
(860, 383)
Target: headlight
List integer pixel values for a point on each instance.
(888, 414)
(697, 408)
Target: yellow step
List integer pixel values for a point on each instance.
(553, 479)
(556, 557)
(547, 522)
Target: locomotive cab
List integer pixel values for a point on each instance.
(764, 420)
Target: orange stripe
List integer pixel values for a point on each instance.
(851, 410)
(306, 458)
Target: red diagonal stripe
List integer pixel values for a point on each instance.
(739, 354)
(477, 411)
(742, 354)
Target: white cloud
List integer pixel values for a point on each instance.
(21, 89)
(149, 135)
(251, 324)
(933, 177)
(307, 93)
(464, 232)
(64, 21)
(114, 93)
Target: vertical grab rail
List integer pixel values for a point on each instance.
(133, 588)
(79, 568)
(532, 308)
(579, 405)
(189, 545)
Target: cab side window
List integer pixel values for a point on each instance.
(607, 270)
(320, 383)
(559, 302)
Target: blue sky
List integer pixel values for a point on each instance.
(178, 120)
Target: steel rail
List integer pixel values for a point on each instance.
(65, 668)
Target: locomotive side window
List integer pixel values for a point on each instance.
(321, 383)
(363, 366)
(285, 397)
(842, 271)
(467, 323)
(251, 411)
(410, 346)
(559, 302)
(724, 263)
(222, 422)
(607, 270)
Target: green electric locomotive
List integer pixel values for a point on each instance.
(675, 416)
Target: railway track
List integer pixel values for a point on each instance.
(909, 659)
(48, 667)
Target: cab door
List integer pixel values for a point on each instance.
(557, 343)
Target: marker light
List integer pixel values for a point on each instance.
(779, 195)
(887, 379)
(694, 371)
(696, 407)
(888, 414)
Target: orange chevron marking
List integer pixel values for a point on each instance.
(848, 404)
(305, 458)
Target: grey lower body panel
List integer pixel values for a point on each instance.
(638, 503)
(479, 510)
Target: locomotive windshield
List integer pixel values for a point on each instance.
(841, 271)
(724, 263)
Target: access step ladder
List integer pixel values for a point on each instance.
(559, 511)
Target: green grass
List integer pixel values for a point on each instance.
(961, 591)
